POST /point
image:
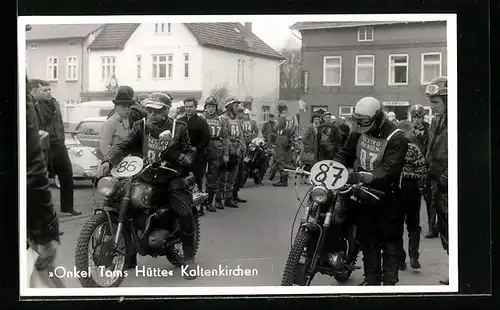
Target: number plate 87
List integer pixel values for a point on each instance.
(329, 173)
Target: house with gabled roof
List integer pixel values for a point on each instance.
(390, 60)
(59, 54)
(185, 59)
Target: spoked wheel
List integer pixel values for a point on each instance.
(95, 253)
(297, 265)
(175, 254)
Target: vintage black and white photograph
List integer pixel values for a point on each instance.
(238, 155)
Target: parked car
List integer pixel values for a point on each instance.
(83, 159)
(84, 110)
(88, 132)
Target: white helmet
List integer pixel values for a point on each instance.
(365, 112)
(246, 111)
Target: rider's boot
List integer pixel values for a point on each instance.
(283, 182)
(237, 198)
(230, 203)
(272, 173)
(209, 203)
(189, 268)
(218, 204)
(413, 246)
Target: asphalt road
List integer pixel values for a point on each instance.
(256, 235)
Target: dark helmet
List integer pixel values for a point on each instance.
(158, 101)
(437, 87)
(282, 106)
(211, 100)
(417, 110)
(231, 101)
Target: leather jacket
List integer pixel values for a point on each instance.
(180, 144)
(42, 221)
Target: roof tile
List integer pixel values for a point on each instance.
(53, 32)
(230, 36)
(113, 37)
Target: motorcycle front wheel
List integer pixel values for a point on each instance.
(295, 271)
(98, 256)
(175, 254)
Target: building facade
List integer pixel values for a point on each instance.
(59, 55)
(183, 59)
(392, 62)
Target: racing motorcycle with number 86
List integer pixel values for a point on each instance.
(132, 219)
(326, 240)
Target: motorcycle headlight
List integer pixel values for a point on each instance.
(107, 186)
(252, 147)
(319, 194)
(78, 152)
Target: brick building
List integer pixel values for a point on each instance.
(392, 61)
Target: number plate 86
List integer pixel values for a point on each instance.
(129, 166)
(329, 173)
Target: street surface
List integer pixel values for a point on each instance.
(256, 235)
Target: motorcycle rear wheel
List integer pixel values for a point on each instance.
(294, 273)
(82, 251)
(177, 259)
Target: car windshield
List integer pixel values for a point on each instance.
(70, 139)
(89, 128)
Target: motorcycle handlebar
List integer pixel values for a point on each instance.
(298, 171)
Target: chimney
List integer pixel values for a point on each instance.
(247, 34)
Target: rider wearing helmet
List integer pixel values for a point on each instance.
(417, 114)
(236, 151)
(286, 128)
(217, 153)
(145, 137)
(437, 154)
(250, 129)
(378, 147)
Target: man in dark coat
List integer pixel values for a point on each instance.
(41, 221)
(50, 120)
(437, 155)
(199, 135)
(330, 139)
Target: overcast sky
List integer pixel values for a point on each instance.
(277, 35)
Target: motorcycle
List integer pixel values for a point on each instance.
(131, 219)
(326, 240)
(256, 161)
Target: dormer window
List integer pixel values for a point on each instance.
(365, 34)
(162, 28)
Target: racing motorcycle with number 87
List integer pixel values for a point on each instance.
(326, 240)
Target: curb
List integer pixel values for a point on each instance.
(74, 218)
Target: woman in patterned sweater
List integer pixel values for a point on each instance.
(413, 176)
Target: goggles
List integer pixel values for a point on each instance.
(362, 120)
(417, 114)
(432, 90)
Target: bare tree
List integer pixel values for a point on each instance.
(290, 71)
(221, 93)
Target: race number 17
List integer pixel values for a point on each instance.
(371, 156)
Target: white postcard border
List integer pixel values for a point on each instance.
(451, 29)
